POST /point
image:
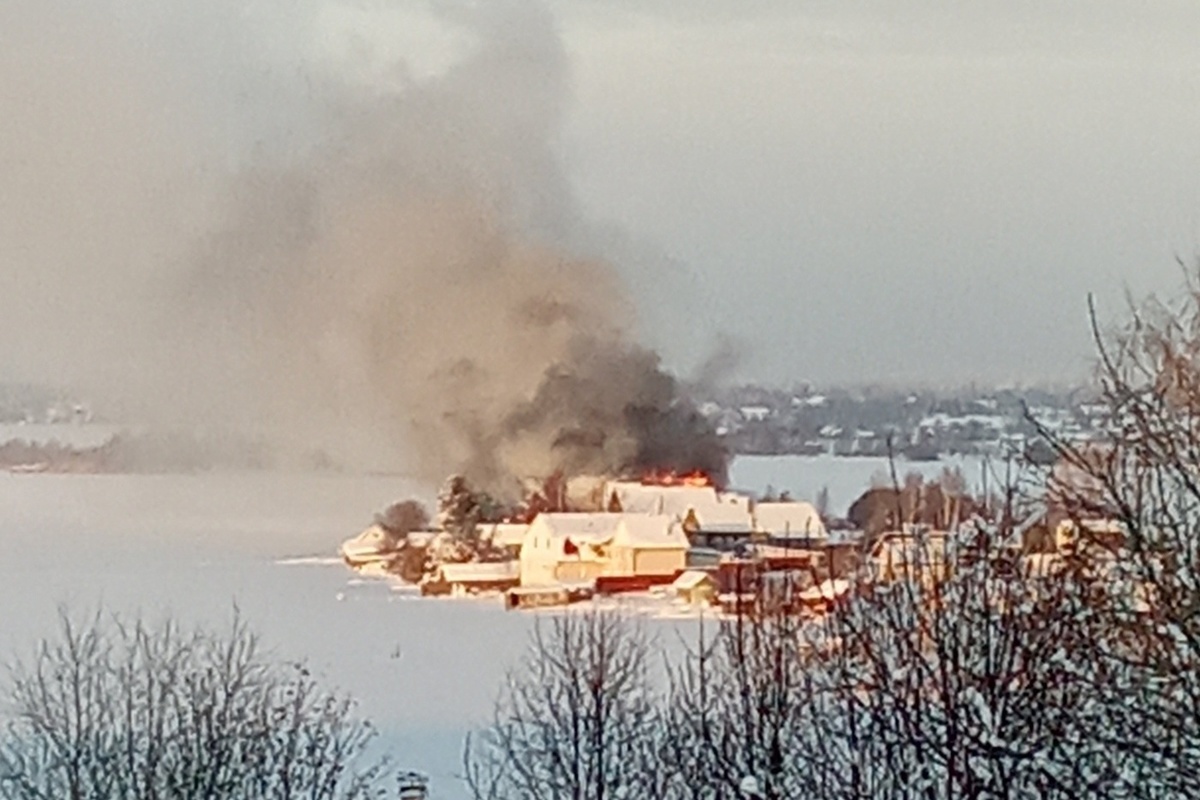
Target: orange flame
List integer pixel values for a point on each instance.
(695, 478)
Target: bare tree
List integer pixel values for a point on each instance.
(578, 719)
(1142, 477)
(740, 710)
(126, 711)
(963, 670)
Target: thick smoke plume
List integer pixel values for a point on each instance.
(403, 272)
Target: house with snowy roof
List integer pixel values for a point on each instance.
(709, 517)
(695, 587)
(634, 497)
(571, 548)
(788, 520)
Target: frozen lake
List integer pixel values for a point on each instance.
(195, 546)
(844, 478)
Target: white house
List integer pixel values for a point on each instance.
(574, 548)
(788, 520)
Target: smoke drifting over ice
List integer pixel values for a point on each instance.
(405, 274)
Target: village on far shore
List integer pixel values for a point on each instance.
(683, 542)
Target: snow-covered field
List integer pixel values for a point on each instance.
(197, 546)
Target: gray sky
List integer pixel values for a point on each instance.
(919, 191)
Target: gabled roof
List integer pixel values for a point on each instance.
(639, 498)
(790, 519)
(715, 511)
(581, 528)
(639, 531)
(374, 541)
(730, 513)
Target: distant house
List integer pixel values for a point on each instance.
(472, 578)
(711, 519)
(755, 413)
(695, 587)
(911, 555)
(788, 520)
(635, 497)
(649, 546)
(375, 545)
(578, 548)
(567, 548)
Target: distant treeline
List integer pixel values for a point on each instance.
(148, 452)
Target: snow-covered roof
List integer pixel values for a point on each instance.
(690, 579)
(639, 498)
(481, 572)
(371, 542)
(639, 531)
(650, 532)
(790, 519)
(593, 528)
(714, 510)
(731, 511)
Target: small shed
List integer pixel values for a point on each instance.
(696, 587)
(546, 596)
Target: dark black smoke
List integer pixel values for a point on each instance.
(611, 409)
